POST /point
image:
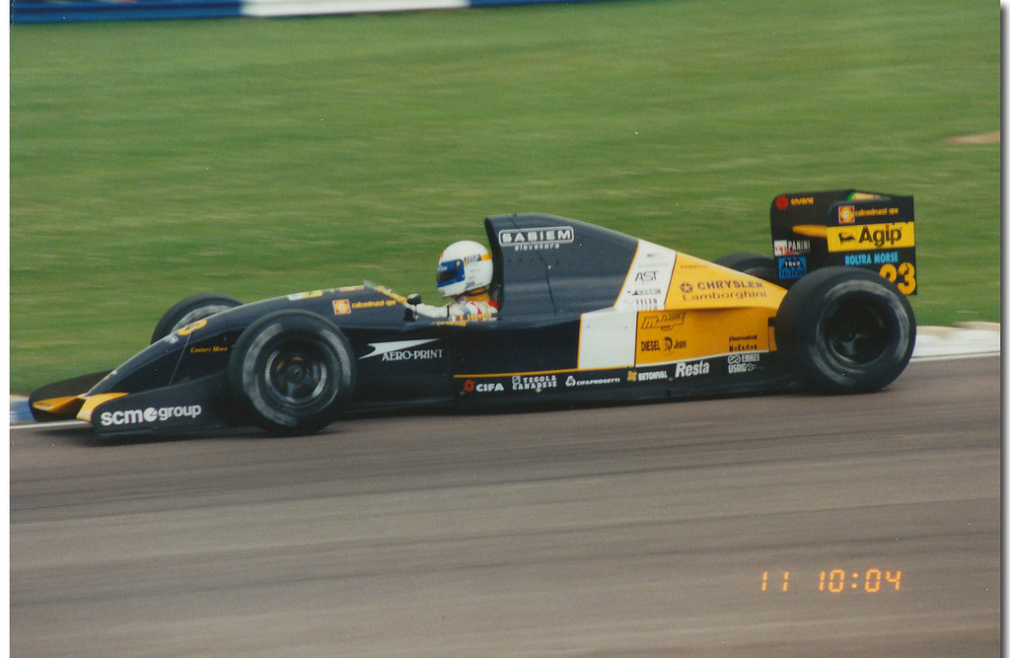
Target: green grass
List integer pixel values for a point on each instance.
(256, 157)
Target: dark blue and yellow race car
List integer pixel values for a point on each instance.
(585, 314)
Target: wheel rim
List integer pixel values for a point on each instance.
(855, 332)
(298, 373)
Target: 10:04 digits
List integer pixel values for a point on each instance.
(835, 581)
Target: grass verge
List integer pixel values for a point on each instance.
(260, 157)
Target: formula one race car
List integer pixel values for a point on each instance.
(586, 314)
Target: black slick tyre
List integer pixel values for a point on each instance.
(292, 372)
(759, 265)
(191, 310)
(845, 330)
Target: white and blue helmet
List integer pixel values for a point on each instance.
(463, 267)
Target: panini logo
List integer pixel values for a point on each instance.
(149, 415)
(535, 239)
(790, 247)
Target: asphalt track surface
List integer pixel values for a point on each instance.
(638, 531)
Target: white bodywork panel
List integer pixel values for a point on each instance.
(607, 337)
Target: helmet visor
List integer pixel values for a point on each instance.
(449, 272)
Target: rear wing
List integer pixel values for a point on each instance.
(848, 228)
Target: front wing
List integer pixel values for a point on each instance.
(195, 405)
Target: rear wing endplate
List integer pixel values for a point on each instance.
(847, 228)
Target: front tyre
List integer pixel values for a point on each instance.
(191, 310)
(292, 371)
(845, 330)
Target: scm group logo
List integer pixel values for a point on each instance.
(149, 415)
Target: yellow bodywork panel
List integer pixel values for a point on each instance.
(78, 406)
(698, 284)
(667, 336)
(710, 310)
(62, 406)
(93, 401)
(811, 230)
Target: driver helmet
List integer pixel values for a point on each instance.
(463, 267)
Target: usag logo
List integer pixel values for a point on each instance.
(738, 363)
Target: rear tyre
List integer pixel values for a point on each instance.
(191, 310)
(292, 371)
(845, 330)
(759, 265)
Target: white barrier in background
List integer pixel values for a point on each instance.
(965, 340)
(274, 8)
(72, 11)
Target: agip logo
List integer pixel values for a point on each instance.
(871, 236)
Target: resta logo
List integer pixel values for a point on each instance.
(691, 369)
